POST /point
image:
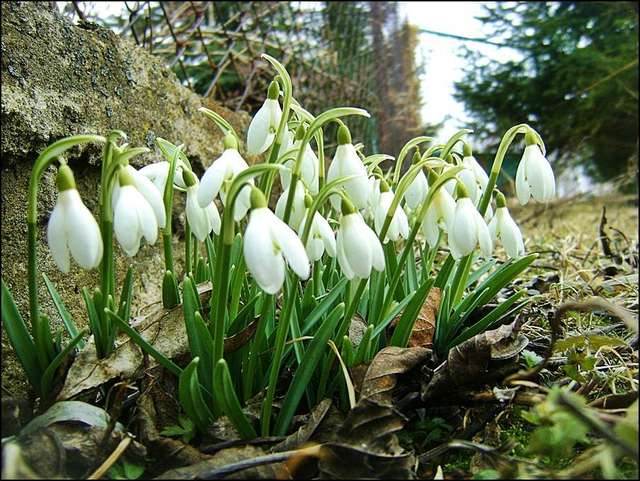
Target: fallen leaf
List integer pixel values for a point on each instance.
(425, 325)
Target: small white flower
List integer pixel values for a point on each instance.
(373, 198)
(439, 216)
(320, 237)
(202, 220)
(346, 163)
(297, 207)
(468, 230)
(148, 190)
(72, 228)
(133, 218)
(534, 177)
(267, 243)
(503, 227)
(399, 226)
(218, 178)
(473, 177)
(358, 247)
(417, 191)
(263, 127)
(158, 173)
(309, 170)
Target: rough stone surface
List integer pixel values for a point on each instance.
(59, 79)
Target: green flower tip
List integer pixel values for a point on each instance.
(432, 176)
(416, 156)
(344, 136)
(64, 179)
(258, 199)
(466, 150)
(300, 132)
(188, 177)
(461, 191)
(230, 141)
(450, 159)
(308, 200)
(384, 187)
(530, 138)
(125, 177)
(347, 207)
(501, 201)
(274, 90)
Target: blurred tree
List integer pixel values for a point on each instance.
(577, 81)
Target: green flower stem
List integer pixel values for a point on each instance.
(43, 161)
(412, 235)
(403, 153)
(506, 141)
(281, 338)
(187, 249)
(317, 123)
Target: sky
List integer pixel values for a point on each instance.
(440, 56)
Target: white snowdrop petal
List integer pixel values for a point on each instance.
(377, 254)
(326, 234)
(125, 221)
(212, 181)
(347, 270)
(430, 227)
(354, 245)
(214, 217)
(262, 255)
(147, 219)
(484, 237)
(464, 231)
(57, 238)
(292, 248)
(197, 217)
(259, 134)
(417, 191)
(151, 194)
(522, 185)
(85, 241)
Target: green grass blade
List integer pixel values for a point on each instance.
(20, 338)
(67, 320)
(403, 329)
(306, 369)
(46, 383)
(229, 400)
(191, 397)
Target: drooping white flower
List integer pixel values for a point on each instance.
(202, 220)
(297, 207)
(417, 191)
(268, 242)
(158, 172)
(399, 226)
(473, 176)
(220, 174)
(534, 177)
(358, 247)
(133, 217)
(503, 227)
(346, 163)
(263, 127)
(72, 227)
(373, 198)
(320, 237)
(468, 229)
(149, 191)
(310, 167)
(439, 214)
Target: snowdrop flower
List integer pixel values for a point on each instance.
(320, 237)
(439, 214)
(346, 163)
(373, 199)
(72, 227)
(149, 191)
(309, 169)
(202, 220)
(358, 247)
(218, 178)
(268, 242)
(503, 227)
(534, 177)
(473, 176)
(158, 172)
(133, 217)
(297, 207)
(417, 191)
(399, 226)
(468, 229)
(263, 127)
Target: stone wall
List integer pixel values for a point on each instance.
(59, 79)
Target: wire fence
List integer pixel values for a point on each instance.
(338, 53)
